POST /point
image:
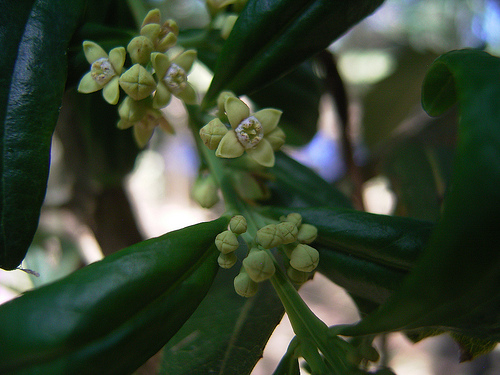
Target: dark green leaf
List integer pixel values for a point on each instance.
(33, 77)
(367, 254)
(456, 282)
(226, 334)
(126, 306)
(297, 94)
(296, 185)
(270, 38)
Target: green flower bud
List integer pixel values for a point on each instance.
(276, 138)
(304, 258)
(140, 49)
(137, 82)
(269, 236)
(212, 133)
(307, 233)
(297, 277)
(248, 187)
(288, 232)
(131, 110)
(244, 285)
(259, 265)
(226, 242)
(294, 218)
(238, 224)
(205, 191)
(227, 260)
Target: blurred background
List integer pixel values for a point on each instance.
(397, 151)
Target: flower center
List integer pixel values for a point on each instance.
(249, 132)
(102, 71)
(176, 79)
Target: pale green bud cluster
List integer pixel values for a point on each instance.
(227, 241)
(237, 131)
(149, 83)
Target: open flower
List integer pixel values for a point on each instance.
(256, 133)
(104, 72)
(172, 78)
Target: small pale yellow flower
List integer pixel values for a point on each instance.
(172, 78)
(104, 72)
(249, 132)
(162, 36)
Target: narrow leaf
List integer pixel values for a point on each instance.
(33, 76)
(270, 38)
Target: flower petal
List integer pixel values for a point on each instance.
(229, 146)
(188, 95)
(151, 30)
(111, 91)
(268, 118)
(162, 96)
(88, 84)
(161, 63)
(93, 51)
(236, 111)
(117, 58)
(153, 16)
(276, 138)
(185, 60)
(142, 134)
(262, 153)
(124, 124)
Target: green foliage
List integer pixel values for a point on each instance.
(128, 304)
(434, 271)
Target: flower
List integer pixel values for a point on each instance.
(250, 133)
(104, 72)
(162, 36)
(172, 78)
(143, 118)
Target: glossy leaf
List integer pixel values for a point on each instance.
(226, 334)
(297, 94)
(367, 254)
(33, 75)
(127, 305)
(456, 282)
(311, 191)
(270, 38)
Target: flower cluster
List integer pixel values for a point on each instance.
(257, 133)
(149, 83)
(290, 235)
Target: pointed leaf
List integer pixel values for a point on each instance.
(33, 75)
(270, 38)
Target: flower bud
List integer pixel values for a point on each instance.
(294, 218)
(259, 265)
(248, 187)
(227, 260)
(307, 233)
(288, 232)
(269, 236)
(131, 110)
(238, 224)
(297, 277)
(140, 49)
(205, 191)
(137, 82)
(244, 285)
(212, 133)
(276, 138)
(304, 258)
(226, 242)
